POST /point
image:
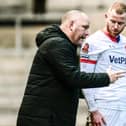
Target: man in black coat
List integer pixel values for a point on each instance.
(52, 92)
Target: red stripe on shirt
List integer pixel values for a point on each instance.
(82, 60)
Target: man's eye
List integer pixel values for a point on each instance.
(113, 22)
(86, 27)
(120, 23)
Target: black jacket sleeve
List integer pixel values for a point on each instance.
(61, 57)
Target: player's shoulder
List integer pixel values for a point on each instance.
(94, 37)
(122, 38)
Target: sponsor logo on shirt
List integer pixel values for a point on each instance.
(117, 60)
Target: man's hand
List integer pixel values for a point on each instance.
(115, 75)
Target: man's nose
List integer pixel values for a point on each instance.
(87, 32)
(116, 25)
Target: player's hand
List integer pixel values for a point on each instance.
(97, 119)
(115, 75)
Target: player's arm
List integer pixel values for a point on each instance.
(87, 64)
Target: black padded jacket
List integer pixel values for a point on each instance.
(52, 91)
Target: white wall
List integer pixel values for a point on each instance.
(10, 2)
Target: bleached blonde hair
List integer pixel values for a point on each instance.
(119, 7)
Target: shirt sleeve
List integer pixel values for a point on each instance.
(87, 64)
(90, 98)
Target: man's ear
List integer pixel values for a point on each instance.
(71, 25)
(106, 15)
